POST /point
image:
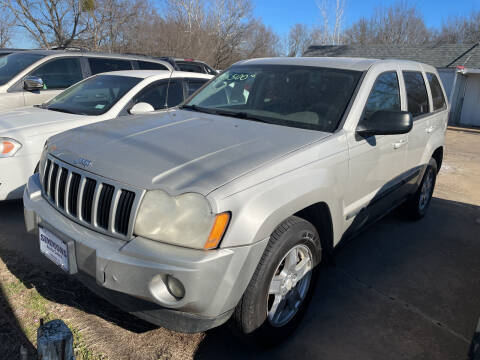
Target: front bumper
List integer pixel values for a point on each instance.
(132, 274)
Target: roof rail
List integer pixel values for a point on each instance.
(69, 48)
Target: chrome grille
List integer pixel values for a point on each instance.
(101, 204)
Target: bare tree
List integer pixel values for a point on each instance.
(6, 27)
(228, 25)
(399, 23)
(49, 22)
(462, 29)
(259, 41)
(298, 40)
(110, 22)
(332, 13)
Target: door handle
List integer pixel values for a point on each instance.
(430, 129)
(400, 143)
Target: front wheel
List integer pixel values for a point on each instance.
(282, 285)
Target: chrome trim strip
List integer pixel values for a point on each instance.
(67, 190)
(49, 182)
(57, 181)
(81, 188)
(96, 197)
(113, 210)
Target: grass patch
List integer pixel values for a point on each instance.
(34, 307)
(13, 287)
(82, 352)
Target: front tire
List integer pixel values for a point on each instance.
(282, 285)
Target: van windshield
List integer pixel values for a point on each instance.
(12, 64)
(306, 97)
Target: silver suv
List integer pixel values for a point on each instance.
(34, 77)
(225, 207)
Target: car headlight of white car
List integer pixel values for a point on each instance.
(184, 220)
(8, 147)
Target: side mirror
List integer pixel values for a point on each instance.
(385, 122)
(33, 83)
(141, 108)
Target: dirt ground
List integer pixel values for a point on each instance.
(459, 179)
(400, 290)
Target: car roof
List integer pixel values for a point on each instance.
(359, 64)
(90, 53)
(158, 73)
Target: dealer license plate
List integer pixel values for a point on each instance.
(53, 248)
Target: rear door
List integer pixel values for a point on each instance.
(418, 105)
(57, 75)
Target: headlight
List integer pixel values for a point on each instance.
(184, 220)
(8, 147)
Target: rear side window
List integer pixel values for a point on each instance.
(385, 94)
(100, 65)
(191, 67)
(59, 73)
(416, 93)
(437, 93)
(193, 85)
(147, 65)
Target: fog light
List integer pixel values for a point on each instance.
(175, 287)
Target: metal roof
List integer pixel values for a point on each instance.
(438, 55)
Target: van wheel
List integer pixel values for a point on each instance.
(282, 285)
(416, 207)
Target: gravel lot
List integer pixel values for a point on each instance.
(400, 290)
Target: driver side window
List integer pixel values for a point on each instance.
(385, 95)
(59, 73)
(156, 94)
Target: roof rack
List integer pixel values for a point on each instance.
(69, 48)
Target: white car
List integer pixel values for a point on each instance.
(23, 131)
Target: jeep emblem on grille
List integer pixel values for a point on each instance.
(84, 162)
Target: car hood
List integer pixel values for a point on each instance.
(26, 118)
(178, 151)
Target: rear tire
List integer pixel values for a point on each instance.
(416, 207)
(281, 288)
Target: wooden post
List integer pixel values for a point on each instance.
(54, 341)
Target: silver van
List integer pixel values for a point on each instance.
(33, 77)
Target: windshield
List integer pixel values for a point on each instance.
(12, 64)
(297, 96)
(93, 96)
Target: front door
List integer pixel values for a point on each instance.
(377, 163)
(57, 75)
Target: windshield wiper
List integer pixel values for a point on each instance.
(240, 115)
(197, 108)
(63, 110)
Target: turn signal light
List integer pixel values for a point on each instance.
(218, 230)
(8, 147)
